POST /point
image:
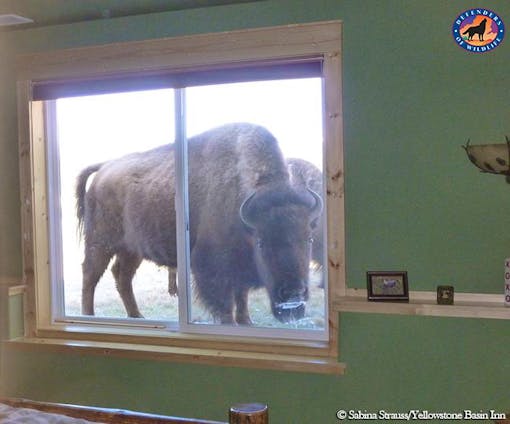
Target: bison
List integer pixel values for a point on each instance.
(249, 226)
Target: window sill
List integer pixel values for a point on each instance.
(147, 344)
(466, 305)
(231, 358)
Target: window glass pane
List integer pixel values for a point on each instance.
(92, 130)
(255, 154)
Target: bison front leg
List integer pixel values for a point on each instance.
(123, 270)
(217, 297)
(241, 298)
(214, 286)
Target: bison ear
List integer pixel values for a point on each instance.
(247, 213)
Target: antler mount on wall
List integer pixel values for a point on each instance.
(491, 158)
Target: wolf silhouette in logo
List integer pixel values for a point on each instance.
(479, 29)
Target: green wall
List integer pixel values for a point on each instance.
(413, 202)
(394, 364)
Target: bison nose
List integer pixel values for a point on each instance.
(291, 306)
(289, 311)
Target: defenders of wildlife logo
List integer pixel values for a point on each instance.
(478, 30)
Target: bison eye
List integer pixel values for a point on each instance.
(310, 240)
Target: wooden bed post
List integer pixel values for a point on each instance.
(248, 413)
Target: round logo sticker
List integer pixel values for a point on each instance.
(478, 30)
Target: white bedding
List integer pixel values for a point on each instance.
(11, 415)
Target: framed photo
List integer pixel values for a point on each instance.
(445, 295)
(387, 285)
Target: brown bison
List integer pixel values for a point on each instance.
(249, 227)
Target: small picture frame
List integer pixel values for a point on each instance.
(445, 295)
(387, 286)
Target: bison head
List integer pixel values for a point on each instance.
(280, 221)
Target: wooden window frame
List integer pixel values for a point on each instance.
(322, 39)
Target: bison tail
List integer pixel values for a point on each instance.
(81, 188)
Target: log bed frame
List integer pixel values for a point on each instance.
(251, 413)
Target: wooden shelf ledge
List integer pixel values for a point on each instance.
(466, 305)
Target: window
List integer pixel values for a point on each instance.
(95, 129)
(207, 171)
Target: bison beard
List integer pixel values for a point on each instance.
(250, 226)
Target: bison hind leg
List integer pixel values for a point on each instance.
(123, 270)
(95, 262)
(172, 282)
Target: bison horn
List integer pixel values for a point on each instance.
(317, 208)
(244, 212)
